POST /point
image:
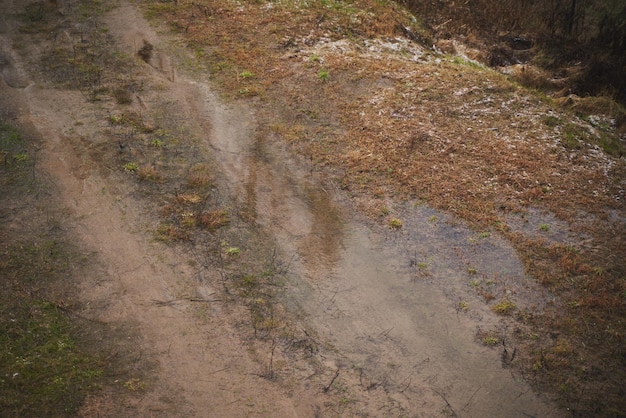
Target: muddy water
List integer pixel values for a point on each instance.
(384, 300)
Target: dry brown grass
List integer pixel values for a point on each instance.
(214, 219)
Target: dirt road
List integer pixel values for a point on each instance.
(383, 305)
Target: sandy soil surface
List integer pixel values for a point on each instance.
(390, 339)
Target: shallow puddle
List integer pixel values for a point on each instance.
(385, 300)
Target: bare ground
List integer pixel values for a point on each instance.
(299, 307)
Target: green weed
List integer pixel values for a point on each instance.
(233, 251)
(245, 74)
(395, 223)
(490, 341)
(504, 308)
(322, 74)
(463, 306)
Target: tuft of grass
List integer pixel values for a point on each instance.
(570, 138)
(12, 147)
(315, 58)
(504, 308)
(116, 119)
(21, 157)
(134, 384)
(233, 251)
(490, 341)
(551, 121)
(214, 219)
(395, 223)
(199, 177)
(149, 173)
(245, 74)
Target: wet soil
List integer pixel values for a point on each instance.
(361, 289)
(383, 304)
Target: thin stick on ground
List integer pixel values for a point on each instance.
(327, 388)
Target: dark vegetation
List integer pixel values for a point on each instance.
(45, 369)
(53, 356)
(580, 42)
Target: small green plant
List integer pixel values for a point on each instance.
(245, 74)
(233, 251)
(472, 271)
(463, 306)
(544, 227)
(395, 223)
(130, 167)
(570, 139)
(504, 308)
(491, 341)
(474, 283)
(432, 219)
(116, 119)
(467, 62)
(484, 235)
(322, 74)
(314, 58)
(22, 156)
(188, 219)
(157, 143)
(134, 384)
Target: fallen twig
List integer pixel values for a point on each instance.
(447, 403)
(327, 388)
(173, 301)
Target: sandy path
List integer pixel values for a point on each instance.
(202, 368)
